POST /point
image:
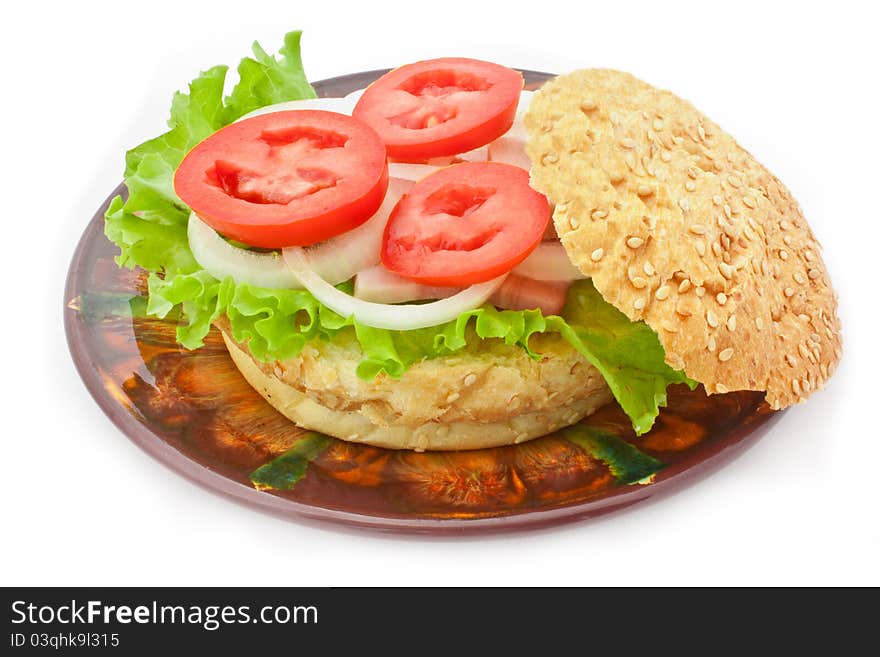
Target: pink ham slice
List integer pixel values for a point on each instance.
(520, 293)
(379, 285)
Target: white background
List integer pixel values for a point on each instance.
(82, 82)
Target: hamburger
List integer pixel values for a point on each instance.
(598, 241)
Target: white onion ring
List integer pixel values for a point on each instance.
(380, 285)
(380, 315)
(407, 171)
(343, 256)
(220, 259)
(338, 105)
(355, 96)
(549, 262)
(518, 129)
(511, 146)
(510, 150)
(335, 260)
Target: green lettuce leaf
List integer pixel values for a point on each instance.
(283, 472)
(628, 464)
(149, 227)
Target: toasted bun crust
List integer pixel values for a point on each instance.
(483, 396)
(680, 227)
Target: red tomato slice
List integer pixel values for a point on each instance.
(465, 224)
(286, 178)
(440, 107)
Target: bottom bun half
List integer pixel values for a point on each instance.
(486, 395)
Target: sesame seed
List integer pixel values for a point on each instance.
(720, 387)
(682, 310)
(799, 277)
(796, 387)
(628, 143)
(710, 344)
(599, 214)
(731, 323)
(648, 268)
(784, 225)
(596, 255)
(666, 156)
(644, 190)
(470, 379)
(787, 239)
(701, 131)
(783, 254)
(749, 202)
(734, 181)
(639, 303)
(717, 200)
(683, 204)
(669, 326)
(711, 319)
(588, 105)
(574, 222)
(698, 229)
(803, 351)
(452, 397)
(814, 274)
(700, 246)
(716, 249)
(759, 322)
(788, 292)
(549, 158)
(721, 298)
(662, 292)
(725, 354)
(635, 242)
(700, 291)
(726, 270)
(791, 360)
(638, 282)
(690, 186)
(657, 125)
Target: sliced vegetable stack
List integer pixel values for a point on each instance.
(298, 218)
(288, 176)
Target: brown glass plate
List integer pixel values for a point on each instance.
(194, 412)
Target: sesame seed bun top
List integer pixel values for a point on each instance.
(682, 228)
